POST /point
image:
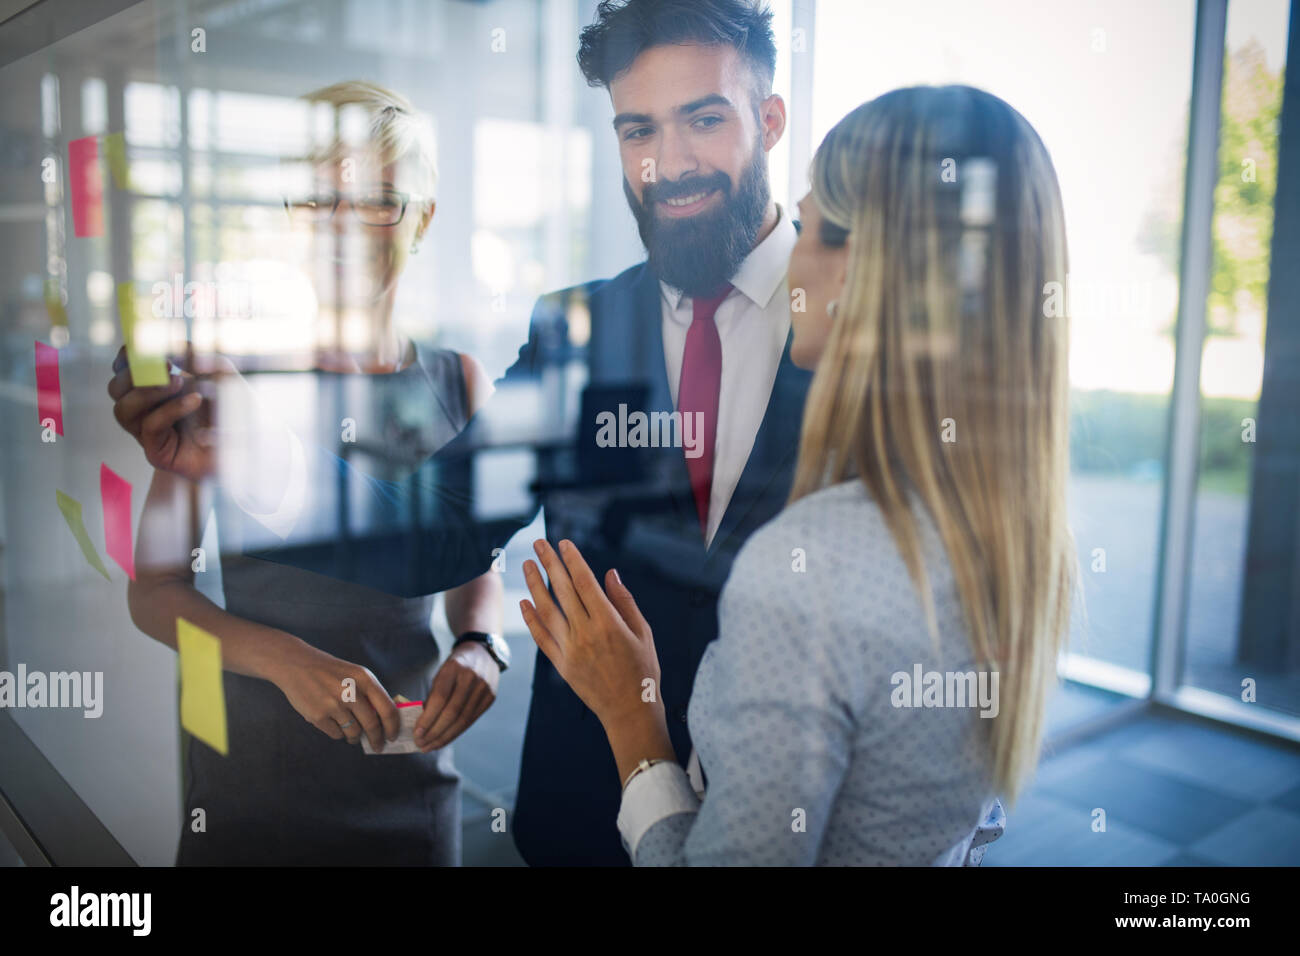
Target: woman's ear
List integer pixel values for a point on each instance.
(425, 218)
(842, 265)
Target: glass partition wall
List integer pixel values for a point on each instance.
(1171, 125)
(1164, 121)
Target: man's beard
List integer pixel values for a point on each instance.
(700, 253)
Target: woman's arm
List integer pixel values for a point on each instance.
(311, 679)
(774, 733)
(466, 684)
(163, 589)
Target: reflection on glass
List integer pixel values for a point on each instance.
(1220, 651)
(1107, 85)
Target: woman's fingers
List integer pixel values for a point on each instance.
(542, 636)
(549, 614)
(347, 723)
(444, 685)
(156, 427)
(560, 581)
(476, 701)
(584, 582)
(625, 604)
(369, 721)
(449, 718)
(131, 404)
(390, 721)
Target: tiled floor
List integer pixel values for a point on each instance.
(1176, 791)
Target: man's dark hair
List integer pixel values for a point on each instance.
(624, 29)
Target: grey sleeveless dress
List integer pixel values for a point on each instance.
(286, 794)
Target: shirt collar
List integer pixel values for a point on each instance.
(761, 272)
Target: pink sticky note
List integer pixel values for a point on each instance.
(116, 494)
(86, 185)
(49, 397)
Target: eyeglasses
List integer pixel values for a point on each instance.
(373, 209)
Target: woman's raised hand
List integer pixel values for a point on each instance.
(171, 422)
(597, 640)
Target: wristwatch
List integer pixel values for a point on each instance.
(496, 646)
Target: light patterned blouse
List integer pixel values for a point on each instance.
(830, 727)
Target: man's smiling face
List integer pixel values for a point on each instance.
(689, 111)
(693, 141)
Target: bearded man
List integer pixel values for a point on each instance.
(701, 328)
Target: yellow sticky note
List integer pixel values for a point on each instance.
(71, 509)
(203, 702)
(147, 357)
(54, 303)
(115, 155)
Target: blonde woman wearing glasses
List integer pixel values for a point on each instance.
(888, 642)
(312, 664)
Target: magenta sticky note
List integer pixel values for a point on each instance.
(86, 187)
(49, 397)
(116, 494)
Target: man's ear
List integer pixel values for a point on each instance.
(771, 115)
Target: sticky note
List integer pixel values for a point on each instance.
(49, 397)
(408, 714)
(116, 494)
(146, 353)
(54, 303)
(203, 699)
(115, 158)
(71, 509)
(86, 187)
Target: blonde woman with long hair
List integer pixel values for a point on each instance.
(888, 642)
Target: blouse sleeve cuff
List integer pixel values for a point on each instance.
(662, 791)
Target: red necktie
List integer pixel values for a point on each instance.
(697, 392)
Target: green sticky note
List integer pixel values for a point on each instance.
(71, 509)
(115, 155)
(147, 358)
(203, 701)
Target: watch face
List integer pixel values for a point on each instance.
(500, 648)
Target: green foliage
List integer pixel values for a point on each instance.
(1243, 196)
(1121, 432)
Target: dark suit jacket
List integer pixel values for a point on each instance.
(630, 509)
(642, 521)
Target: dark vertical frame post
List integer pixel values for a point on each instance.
(1269, 634)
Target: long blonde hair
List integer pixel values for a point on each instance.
(942, 381)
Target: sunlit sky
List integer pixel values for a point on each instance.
(1106, 83)
(1111, 107)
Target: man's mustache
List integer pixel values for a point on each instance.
(669, 189)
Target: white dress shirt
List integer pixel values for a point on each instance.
(753, 322)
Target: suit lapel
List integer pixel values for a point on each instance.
(774, 445)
